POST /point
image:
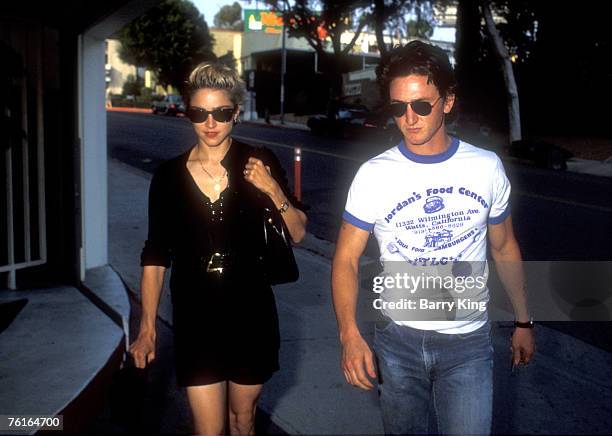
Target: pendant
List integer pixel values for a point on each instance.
(217, 187)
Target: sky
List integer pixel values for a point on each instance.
(209, 8)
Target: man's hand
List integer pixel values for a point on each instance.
(523, 346)
(358, 362)
(143, 349)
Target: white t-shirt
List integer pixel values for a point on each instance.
(428, 210)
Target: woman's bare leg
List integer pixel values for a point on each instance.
(242, 405)
(208, 406)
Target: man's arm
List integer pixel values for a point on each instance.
(357, 358)
(508, 261)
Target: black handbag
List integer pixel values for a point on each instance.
(278, 260)
(128, 391)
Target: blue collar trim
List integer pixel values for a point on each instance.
(430, 159)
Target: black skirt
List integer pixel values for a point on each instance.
(225, 330)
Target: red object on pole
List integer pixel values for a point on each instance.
(297, 173)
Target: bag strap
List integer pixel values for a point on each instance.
(269, 218)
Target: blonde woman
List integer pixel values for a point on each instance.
(205, 220)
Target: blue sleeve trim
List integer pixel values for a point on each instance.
(357, 222)
(500, 218)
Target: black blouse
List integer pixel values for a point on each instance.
(185, 228)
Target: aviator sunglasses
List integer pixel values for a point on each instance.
(422, 108)
(199, 115)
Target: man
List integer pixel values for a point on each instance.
(431, 200)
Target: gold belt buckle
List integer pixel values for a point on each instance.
(216, 263)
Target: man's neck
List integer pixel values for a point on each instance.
(438, 144)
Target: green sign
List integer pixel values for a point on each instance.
(256, 20)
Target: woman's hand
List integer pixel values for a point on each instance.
(259, 175)
(143, 349)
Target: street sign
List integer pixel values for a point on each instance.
(262, 21)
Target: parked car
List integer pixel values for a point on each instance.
(542, 154)
(169, 105)
(359, 123)
(323, 125)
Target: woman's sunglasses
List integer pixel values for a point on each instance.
(221, 115)
(422, 108)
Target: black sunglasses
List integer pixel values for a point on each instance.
(199, 115)
(422, 108)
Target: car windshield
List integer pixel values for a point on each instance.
(175, 99)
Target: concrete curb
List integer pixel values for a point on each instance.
(141, 110)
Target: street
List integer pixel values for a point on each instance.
(557, 215)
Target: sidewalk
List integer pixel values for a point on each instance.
(566, 390)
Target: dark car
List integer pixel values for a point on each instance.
(323, 125)
(169, 105)
(540, 153)
(359, 123)
(377, 126)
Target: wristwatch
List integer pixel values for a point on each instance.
(284, 207)
(524, 325)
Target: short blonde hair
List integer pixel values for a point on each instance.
(217, 76)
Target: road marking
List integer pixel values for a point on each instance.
(290, 147)
(350, 158)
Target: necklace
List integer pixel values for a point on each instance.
(216, 180)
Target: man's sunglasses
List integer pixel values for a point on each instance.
(199, 115)
(422, 108)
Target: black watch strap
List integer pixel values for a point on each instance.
(524, 325)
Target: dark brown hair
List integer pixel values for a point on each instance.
(418, 58)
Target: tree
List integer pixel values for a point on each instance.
(229, 17)
(391, 16)
(385, 13)
(468, 56)
(419, 28)
(318, 20)
(514, 112)
(133, 85)
(569, 61)
(170, 40)
(487, 54)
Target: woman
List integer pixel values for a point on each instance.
(205, 219)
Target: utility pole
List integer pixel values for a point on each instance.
(283, 70)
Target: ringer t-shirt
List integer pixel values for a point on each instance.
(431, 209)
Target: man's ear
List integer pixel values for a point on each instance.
(449, 101)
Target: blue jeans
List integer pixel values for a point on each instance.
(453, 372)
